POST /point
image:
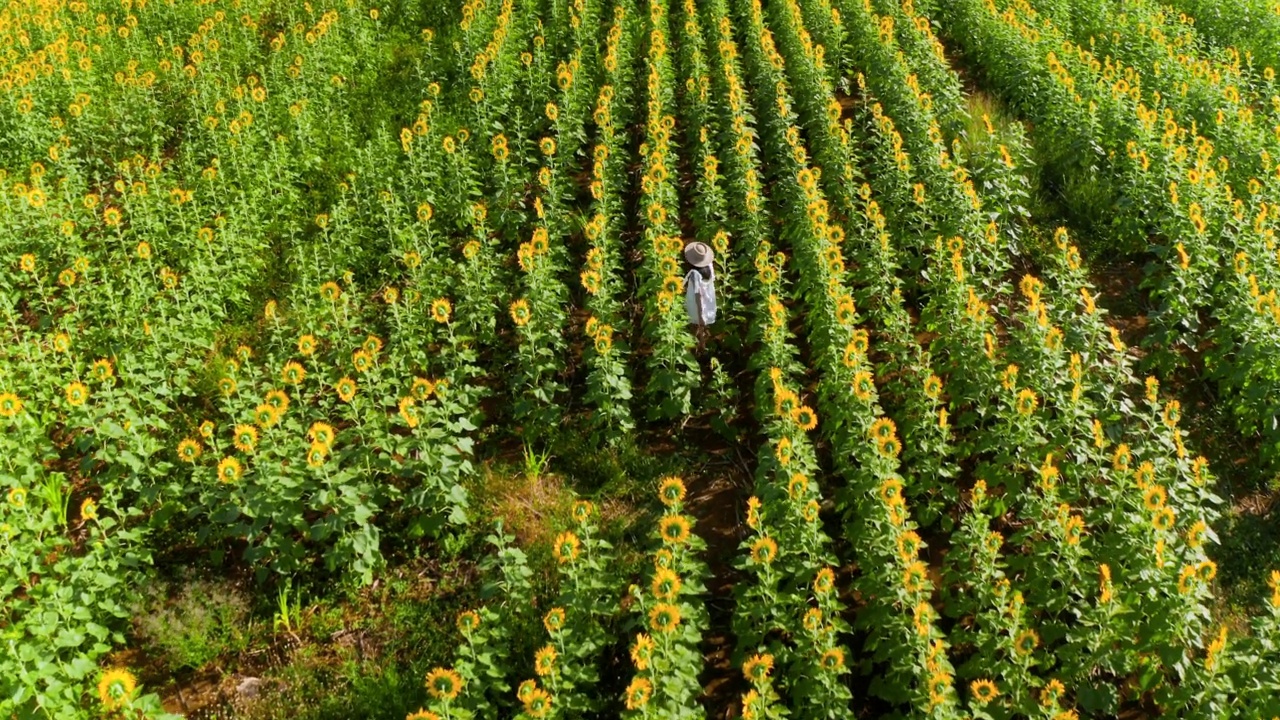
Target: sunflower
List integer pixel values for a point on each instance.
(908, 545)
(227, 386)
(1195, 536)
(674, 529)
(832, 660)
(525, 689)
(863, 386)
(443, 684)
(753, 512)
(915, 577)
(330, 291)
(664, 618)
(811, 511)
(115, 688)
(322, 433)
(520, 312)
(293, 373)
(757, 668)
(1026, 642)
(764, 550)
(316, 455)
(1207, 570)
(663, 560)
(1053, 690)
(17, 497)
(638, 693)
(1154, 497)
(77, 394)
(544, 661)
(805, 418)
(346, 388)
(245, 438)
(797, 486)
(642, 651)
(785, 401)
(812, 620)
(553, 621)
(932, 387)
(102, 370)
(27, 263)
(189, 450)
(889, 447)
(441, 310)
(984, 691)
(582, 511)
(883, 429)
(1121, 459)
(1072, 529)
(277, 399)
(538, 703)
(207, 429)
(846, 311)
(891, 491)
(1145, 474)
(422, 715)
(671, 491)
(666, 584)
(362, 361)
(783, 451)
(408, 412)
(825, 581)
(1186, 578)
(467, 622)
(230, 470)
(1026, 402)
(266, 415)
(89, 509)
(566, 547)
(422, 388)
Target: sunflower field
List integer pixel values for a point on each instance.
(318, 301)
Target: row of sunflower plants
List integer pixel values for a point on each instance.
(609, 389)
(912, 389)
(671, 617)
(1216, 95)
(943, 183)
(1250, 26)
(789, 613)
(539, 313)
(673, 370)
(1038, 316)
(478, 683)
(927, 58)
(1213, 88)
(995, 158)
(986, 685)
(70, 555)
(567, 667)
(865, 444)
(134, 396)
(1171, 184)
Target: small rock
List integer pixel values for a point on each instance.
(249, 687)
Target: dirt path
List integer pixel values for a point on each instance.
(718, 487)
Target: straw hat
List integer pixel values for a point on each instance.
(698, 254)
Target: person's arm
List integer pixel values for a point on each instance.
(701, 321)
